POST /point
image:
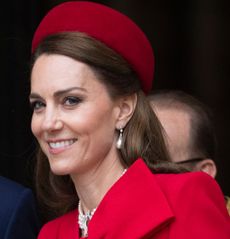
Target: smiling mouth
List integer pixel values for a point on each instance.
(61, 144)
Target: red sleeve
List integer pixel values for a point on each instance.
(200, 210)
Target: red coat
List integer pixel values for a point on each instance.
(158, 206)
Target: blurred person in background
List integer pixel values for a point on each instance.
(189, 130)
(18, 214)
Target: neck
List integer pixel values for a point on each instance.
(93, 185)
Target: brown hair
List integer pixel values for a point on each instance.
(142, 134)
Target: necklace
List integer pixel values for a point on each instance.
(84, 218)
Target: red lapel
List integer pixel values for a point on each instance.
(134, 207)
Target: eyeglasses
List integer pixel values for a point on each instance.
(192, 160)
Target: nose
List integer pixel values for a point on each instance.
(52, 120)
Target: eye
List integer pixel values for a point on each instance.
(37, 105)
(72, 100)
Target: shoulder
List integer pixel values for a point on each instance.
(197, 202)
(181, 179)
(9, 186)
(62, 225)
(192, 186)
(17, 210)
(13, 194)
(195, 191)
(188, 183)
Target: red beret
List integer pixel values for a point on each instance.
(107, 25)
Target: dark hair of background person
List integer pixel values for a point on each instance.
(203, 142)
(142, 135)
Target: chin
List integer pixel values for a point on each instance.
(61, 171)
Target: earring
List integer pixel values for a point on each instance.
(120, 139)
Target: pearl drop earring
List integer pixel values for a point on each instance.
(120, 139)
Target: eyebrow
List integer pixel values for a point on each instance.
(58, 93)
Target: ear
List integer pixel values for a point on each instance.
(208, 166)
(127, 106)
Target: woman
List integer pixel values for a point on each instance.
(102, 163)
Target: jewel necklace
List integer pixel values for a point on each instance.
(83, 219)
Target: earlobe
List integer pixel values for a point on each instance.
(127, 107)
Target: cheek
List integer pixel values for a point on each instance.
(103, 130)
(35, 126)
(98, 127)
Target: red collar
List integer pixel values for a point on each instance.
(134, 206)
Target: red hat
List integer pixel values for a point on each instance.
(107, 25)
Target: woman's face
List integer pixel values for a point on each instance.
(74, 119)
